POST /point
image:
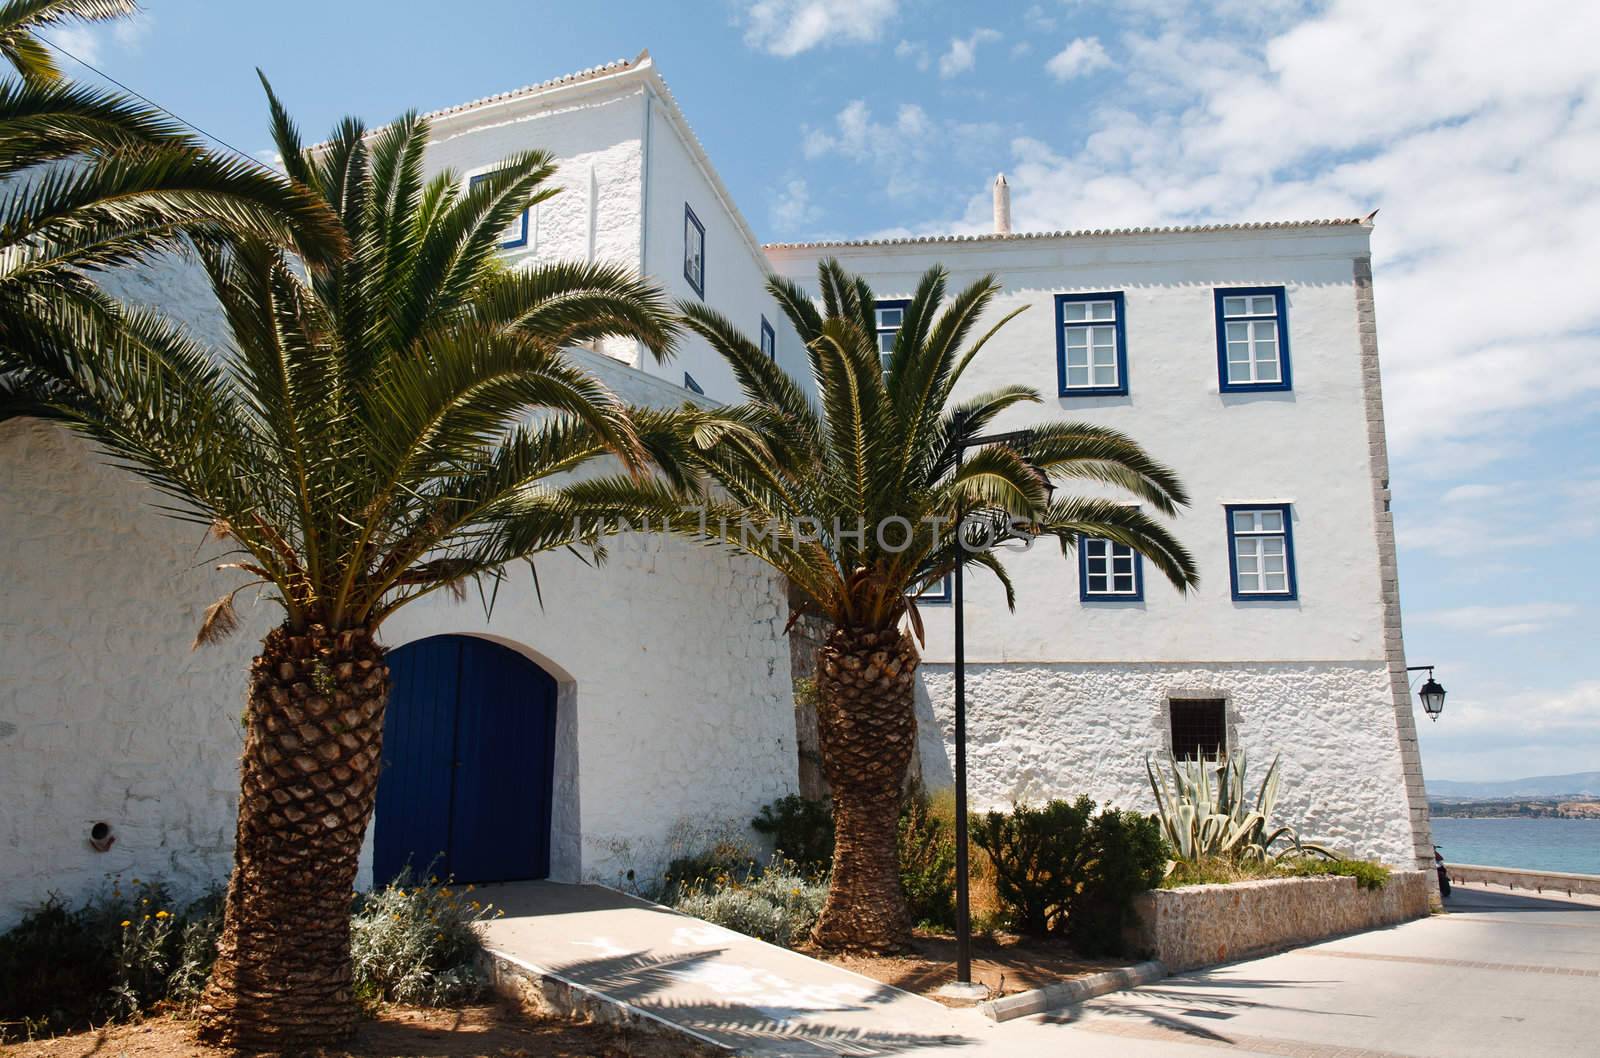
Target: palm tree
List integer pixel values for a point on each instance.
(853, 498)
(357, 446)
(20, 20)
(92, 180)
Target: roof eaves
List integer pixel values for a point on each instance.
(1083, 233)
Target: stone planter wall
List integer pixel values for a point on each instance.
(1202, 925)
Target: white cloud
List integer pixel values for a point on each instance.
(1038, 20)
(915, 53)
(1485, 736)
(1475, 137)
(789, 27)
(1498, 521)
(901, 150)
(1472, 493)
(963, 52)
(1079, 59)
(91, 43)
(1507, 620)
(792, 208)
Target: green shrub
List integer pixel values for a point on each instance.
(724, 861)
(1063, 869)
(109, 960)
(1130, 858)
(928, 858)
(417, 943)
(779, 904)
(1040, 855)
(1368, 875)
(801, 830)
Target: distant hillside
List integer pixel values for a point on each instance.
(1579, 784)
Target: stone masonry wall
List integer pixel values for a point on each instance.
(1202, 925)
(1036, 731)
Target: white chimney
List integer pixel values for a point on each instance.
(1002, 205)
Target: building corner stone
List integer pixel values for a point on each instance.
(1388, 575)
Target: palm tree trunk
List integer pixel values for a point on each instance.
(867, 730)
(308, 778)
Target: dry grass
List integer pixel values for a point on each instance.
(1005, 963)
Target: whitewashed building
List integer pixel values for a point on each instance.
(669, 706)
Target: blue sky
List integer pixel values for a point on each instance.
(1474, 126)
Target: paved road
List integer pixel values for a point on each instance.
(1501, 975)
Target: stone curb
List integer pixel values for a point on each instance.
(1077, 990)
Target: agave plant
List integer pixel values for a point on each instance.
(1205, 817)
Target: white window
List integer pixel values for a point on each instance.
(769, 340)
(1254, 345)
(1109, 570)
(1263, 551)
(1092, 357)
(889, 315)
(516, 233)
(694, 251)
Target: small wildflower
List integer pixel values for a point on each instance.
(126, 923)
(163, 914)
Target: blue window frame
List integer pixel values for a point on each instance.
(1109, 571)
(516, 233)
(691, 385)
(694, 251)
(888, 315)
(1261, 550)
(1091, 345)
(769, 340)
(937, 592)
(1252, 339)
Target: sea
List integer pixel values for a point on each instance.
(1535, 843)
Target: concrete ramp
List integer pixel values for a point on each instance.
(588, 949)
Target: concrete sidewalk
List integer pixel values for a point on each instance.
(1502, 974)
(750, 997)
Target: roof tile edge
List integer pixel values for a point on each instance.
(1082, 233)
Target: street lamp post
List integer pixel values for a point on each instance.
(957, 597)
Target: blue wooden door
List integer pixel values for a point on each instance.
(468, 763)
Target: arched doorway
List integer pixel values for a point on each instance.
(468, 763)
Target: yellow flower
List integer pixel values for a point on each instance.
(477, 906)
(126, 923)
(438, 936)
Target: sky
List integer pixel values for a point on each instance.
(1473, 126)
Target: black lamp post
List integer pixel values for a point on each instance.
(1431, 693)
(957, 596)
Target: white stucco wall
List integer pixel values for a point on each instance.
(1067, 696)
(593, 132)
(735, 271)
(1307, 447)
(675, 711)
(628, 164)
(1037, 731)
